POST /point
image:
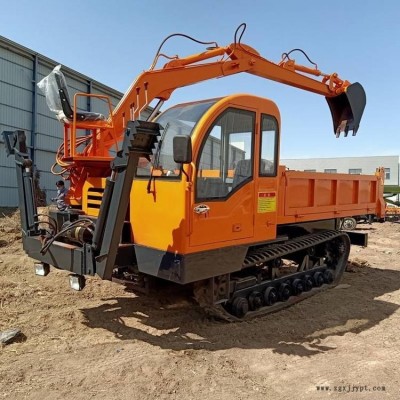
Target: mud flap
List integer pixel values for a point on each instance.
(347, 109)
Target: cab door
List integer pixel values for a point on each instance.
(223, 207)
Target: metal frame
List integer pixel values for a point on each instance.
(100, 257)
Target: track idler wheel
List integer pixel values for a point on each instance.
(318, 279)
(308, 283)
(297, 287)
(270, 296)
(328, 276)
(255, 300)
(284, 292)
(240, 307)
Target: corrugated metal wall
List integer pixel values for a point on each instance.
(15, 113)
(23, 107)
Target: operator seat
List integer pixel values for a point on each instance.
(68, 116)
(54, 87)
(243, 170)
(99, 129)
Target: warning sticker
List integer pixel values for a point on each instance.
(266, 202)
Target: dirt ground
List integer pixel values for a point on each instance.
(107, 343)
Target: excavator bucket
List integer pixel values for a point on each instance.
(347, 109)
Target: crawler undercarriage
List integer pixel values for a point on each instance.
(272, 277)
(276, 276)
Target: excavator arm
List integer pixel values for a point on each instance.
(346, 101)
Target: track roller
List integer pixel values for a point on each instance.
(240, 307)
(328, 276)
(297, 287)
(318, 279)
(284, 292)
(270, 296)
(308, 283)
(255, 300)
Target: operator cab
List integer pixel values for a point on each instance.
(227, 193)
(225, 158)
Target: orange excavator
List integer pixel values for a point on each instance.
(195, 194)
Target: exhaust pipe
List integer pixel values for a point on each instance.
(347, 109)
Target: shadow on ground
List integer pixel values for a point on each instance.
(175, 322)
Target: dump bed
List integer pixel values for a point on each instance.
(308, 196)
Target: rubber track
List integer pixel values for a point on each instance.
(264, 254)
(268, 253)
(218, 312)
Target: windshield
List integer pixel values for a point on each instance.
(178, 120)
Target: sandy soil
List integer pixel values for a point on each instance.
(107, 343)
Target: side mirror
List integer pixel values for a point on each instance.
(182, 146)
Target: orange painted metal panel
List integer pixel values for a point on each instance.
(319, 196)
(158, 219)
(227, 221)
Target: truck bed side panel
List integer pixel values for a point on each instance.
(305, 195)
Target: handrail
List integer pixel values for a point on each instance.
(93, 125)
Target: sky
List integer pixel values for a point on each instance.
(113, 42)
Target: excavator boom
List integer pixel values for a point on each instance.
(346, 101)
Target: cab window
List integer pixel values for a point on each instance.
(226, 159)
(269, 146)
